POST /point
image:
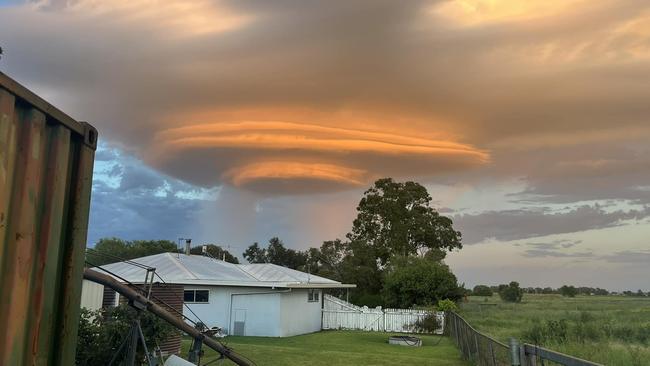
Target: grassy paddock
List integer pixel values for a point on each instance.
(612, 330)
(339, 348)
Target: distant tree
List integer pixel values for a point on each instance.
(547, 290)
(255, 254)
(568, 291)
(413, 281)
(511, 292)
(482, 290)
(396, 219)
(215, 251)
(640, 293)
(601, 292)
(111, 250)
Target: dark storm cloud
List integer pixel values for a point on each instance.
(641, 257)
(527, 223)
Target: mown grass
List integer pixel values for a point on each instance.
(339, 348)
(612, 330)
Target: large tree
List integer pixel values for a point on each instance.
(396, 219)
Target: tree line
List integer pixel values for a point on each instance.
(565, 290)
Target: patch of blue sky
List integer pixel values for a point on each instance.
(11, 2)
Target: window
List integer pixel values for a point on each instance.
(313, 295)
(196, 296)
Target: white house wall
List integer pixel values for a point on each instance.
(300, 316)
(260, 306)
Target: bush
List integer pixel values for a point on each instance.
(102, 332)
(428, 324)
(419, 281)
(482, 290)
(446, 305)
(550, 331)
(511, 292)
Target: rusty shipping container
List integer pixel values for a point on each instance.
(46, 166)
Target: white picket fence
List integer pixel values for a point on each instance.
(340, 314)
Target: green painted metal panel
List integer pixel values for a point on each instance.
(46, 164)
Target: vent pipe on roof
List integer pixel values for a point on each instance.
(188, 243)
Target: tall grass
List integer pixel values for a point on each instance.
(612, 330)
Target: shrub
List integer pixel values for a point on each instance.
(511, 292)
(427, 324)
(101, 333)
(550, 331)
(446, 305)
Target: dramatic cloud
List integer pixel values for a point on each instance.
(300, 97)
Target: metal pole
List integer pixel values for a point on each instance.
(133, 295)
(514, 352)
(133, 346)
(195, 352)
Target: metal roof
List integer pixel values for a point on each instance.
(202, 270)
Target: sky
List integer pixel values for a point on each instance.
(230, 122)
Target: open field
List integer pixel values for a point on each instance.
(339, 348)
(612, 330)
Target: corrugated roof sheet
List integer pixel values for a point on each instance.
(202, 270)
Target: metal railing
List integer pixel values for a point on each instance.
(482, 350)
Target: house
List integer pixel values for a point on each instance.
(243, 299)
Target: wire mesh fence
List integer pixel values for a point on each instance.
(482, 350)
(476, 347)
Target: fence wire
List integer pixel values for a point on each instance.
(474, 346)
(482, 350)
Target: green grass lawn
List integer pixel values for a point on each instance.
(339, 348)
(613, 330)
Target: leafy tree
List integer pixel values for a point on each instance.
(215, 251)
(276, 253)
(482, 290)
(101, 333)
(396, 219)
(511, 292)
(111, 250)
(413, 281)
(255, 254)
(568, 291)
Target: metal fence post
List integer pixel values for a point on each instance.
(514, 352)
